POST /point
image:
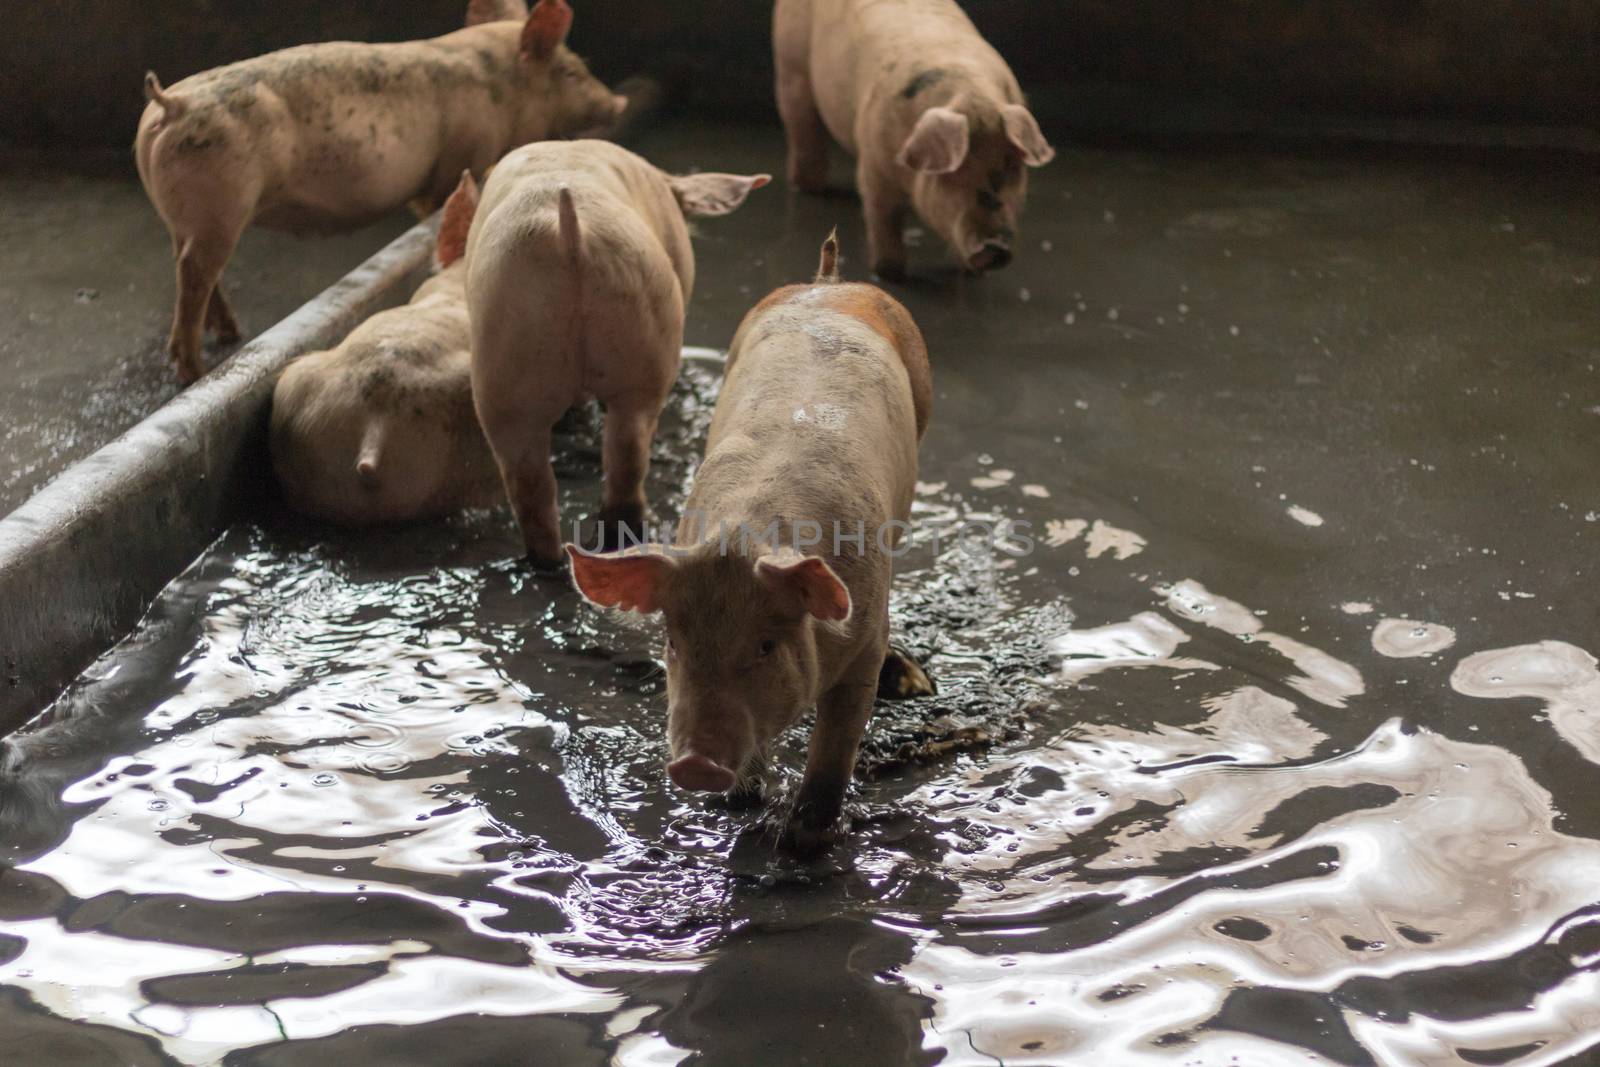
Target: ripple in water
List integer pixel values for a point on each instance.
(390, 798)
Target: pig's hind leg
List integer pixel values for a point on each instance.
(220, 319)
(629, 428)
(523, 455)
(807, 137)
(803, 129)
(199, 268)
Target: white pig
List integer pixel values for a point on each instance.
(933, 114)
(381, 428)
(332, 136)
(578, 271)
(813, 446)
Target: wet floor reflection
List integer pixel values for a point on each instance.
(1203, 783)
(381, 785)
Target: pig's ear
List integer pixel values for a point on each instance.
(481, 11)
(545, 29)
(1023, 131)
(456, 221)
(714, 194)
(810, 580)
(938, 142)
(631, 582)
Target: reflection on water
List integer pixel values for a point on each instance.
(392, 799)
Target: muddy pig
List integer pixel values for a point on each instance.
(333, 136)
(930, 110)
(578, 271)
(381, 428)
(813, 445)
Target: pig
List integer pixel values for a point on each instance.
(827, 396)
(578, 271)
(381, 429)
(933, 114)
(333, 136)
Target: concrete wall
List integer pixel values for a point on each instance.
(69, 73)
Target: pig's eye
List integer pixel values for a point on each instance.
(767, 647)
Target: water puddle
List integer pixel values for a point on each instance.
(390, 798)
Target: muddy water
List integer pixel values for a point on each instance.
(1292, 709)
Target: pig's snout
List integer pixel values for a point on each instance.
(700, 774)
(991, 255)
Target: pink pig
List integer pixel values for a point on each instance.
(579, 268)
(332, 136)
(933, 114)
(380, 428)
(813, 445)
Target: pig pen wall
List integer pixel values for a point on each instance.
(71, 73)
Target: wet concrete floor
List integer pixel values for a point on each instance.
(86, 283)
(1294, 700)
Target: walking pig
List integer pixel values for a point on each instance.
(381, 428)
(578, 271)
(332, 136)
(930, 110)
(813, 444)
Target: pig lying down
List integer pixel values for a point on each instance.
(336, 135)
(381, 428)
(826, 398)
(932, 113)
(578, 271)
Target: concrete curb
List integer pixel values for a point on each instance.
(81, 560)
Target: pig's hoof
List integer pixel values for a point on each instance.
(804, 840)
(622, 528)
(890, 271)
(742, 797)
(545, 566)
(810, 179)
(902, 678)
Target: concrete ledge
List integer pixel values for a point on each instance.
(81, 561)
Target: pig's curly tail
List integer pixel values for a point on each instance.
(567, 214)
(157, 95)
(828, 267)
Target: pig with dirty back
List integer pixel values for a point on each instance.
(775, 591)
(932, 113)
(381, 429)
(333, 136)
(579, 268)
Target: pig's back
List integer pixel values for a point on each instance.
(627, 216)
(866, 55)
(827, 394)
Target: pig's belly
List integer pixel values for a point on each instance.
(320, 218)
(334, 189)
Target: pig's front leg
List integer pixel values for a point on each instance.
(884, 203)
(842, 714)
(630, 427)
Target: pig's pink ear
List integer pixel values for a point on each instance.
(545, 29)
(938, 142)
(714, 194)
(456, 221)
(481, 11)
(630, 581)
(1023, 131)
(810, 580)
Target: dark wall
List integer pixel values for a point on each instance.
(70, 73)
